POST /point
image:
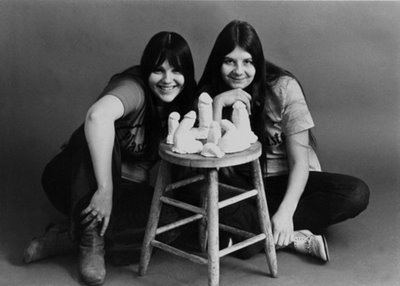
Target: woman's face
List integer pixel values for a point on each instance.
(237, 69)
(166, 82)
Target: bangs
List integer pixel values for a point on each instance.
(172, 58)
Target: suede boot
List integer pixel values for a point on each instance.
(91, 257)
(55, 241)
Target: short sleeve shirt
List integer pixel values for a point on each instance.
(287, 114)
(130, 128)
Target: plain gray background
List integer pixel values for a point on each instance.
(56, 57)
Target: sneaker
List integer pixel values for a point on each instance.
(307, 243)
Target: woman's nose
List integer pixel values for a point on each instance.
(238, 69)
(167, 77)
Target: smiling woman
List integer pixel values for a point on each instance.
(166, 82)
(86, 180)
(301, 198)
(237, 69)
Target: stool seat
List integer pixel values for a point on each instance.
(208, 213)
(198, 161)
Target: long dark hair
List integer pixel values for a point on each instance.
(172, 47)
(163, 46)
(235, 34)
(241, 34)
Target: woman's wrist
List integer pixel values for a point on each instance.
(288, 208)
(104, 188)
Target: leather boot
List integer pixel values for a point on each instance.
(307, 243)
(55, 241)
(91, 257)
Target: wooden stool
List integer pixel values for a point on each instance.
(208, 215)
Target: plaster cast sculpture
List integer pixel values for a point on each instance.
(223, 137)
(211, 149)
(240, 118)
(232, 141)
(173, 123)
(205, 109)
(184, 141)
(214, 134)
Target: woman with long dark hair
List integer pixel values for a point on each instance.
(119, 138)
(302, 199)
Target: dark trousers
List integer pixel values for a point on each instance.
(69, 183)
(327, 199)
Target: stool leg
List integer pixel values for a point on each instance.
(203, 223)
(213, 228)
(163, 178)
(265, 222)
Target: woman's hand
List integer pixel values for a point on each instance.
(228, 98)
(282, 227)
(99, 210)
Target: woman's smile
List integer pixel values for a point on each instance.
(166, 88)
(166, 82)
(237, 69)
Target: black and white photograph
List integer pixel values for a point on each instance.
(195, 142)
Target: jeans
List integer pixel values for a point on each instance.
(327, 199)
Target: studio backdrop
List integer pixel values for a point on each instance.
(57, 56)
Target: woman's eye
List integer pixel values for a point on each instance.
(177, 71)
(228, 61)
(158, 70)
(248, 61)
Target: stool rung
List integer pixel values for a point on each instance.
(184, 182)
(173, 250)
(238, 198)
(178, 223)
(235, 230)
(242, 244)
(182, 205)
(231, 188)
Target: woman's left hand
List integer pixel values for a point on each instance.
(282, 227)
(228, 98)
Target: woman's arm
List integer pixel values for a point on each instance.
(297, 147)
(228, 98)
(100, 134)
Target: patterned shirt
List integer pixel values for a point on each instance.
(130, 128)
(288, 114)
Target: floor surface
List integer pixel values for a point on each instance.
(364, 251)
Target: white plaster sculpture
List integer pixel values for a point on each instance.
(184, 141)
(240, 118)
(223, 137)
(211, 149)
(173, 123)
(214, 135)
(232, 141)
(205, 109)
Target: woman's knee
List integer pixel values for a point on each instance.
(358, 196)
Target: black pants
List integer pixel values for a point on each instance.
(327, 199)
(69, 183)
